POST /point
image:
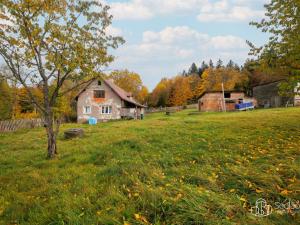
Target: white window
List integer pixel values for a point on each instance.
(87, 109)
(106, 109)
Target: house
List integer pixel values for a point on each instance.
(104, 100)
(267, 95)
(213, 101)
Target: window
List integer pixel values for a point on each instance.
(227, 95)
(99, 94)
(106, 109)
(87, 110)
(99, 83)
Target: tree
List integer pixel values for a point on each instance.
(180, 91)
(282, 52)
(43, 41)
(6, 100)
(232, 79)
(203, 67)
(161, 93)
(143, 95)
(130, 82)
(219, 64)
(193, 69)
(230, 64)
(211, 64)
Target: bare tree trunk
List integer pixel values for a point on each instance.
(52, 129)
(52, 148)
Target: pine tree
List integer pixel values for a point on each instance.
(193, 69)
(211, 64)
(230, 64)
(219, 64)
(203, 67)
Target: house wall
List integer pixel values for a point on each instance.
(268, 96)
(86, 98)
(212, 102)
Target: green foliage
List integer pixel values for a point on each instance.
(282, 52)
(207, 168)
(6, 100)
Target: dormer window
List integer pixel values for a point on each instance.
(99, 94)
(99, 83)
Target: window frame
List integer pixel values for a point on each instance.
(101, 96)
(106, 110)
(85, 111)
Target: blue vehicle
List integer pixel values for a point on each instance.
(244, 106)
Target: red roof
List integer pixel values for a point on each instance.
(125, 96)
(122, 93)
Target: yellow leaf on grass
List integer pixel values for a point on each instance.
(243, 199)
(140, 218)
(285, 192)
(259, 190)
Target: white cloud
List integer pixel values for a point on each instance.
(204, 10)
(173, 49)
(225, 12)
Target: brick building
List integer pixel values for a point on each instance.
(213, 101)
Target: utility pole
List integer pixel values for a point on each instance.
(224, 103)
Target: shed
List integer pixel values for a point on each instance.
(213, 101)
(267, 95)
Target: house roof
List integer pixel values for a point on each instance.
(269, 82)
(208, 92)
(125, 96)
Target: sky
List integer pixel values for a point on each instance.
(164, 37)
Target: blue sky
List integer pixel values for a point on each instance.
(163, 37)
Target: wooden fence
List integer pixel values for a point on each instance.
(13, 125)
(174, 108)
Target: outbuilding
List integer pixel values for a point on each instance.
(213, 101)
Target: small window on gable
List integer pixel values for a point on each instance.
(99, 94)
(99, 83)
(227, 95)
(87, 109)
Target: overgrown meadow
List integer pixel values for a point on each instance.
(187, 168)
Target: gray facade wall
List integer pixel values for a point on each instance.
(86, 98)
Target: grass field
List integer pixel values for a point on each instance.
(187, 168)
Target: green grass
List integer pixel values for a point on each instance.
(206, 168)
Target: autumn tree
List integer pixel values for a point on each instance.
(143, 95)
(180, 91)
(42, 41)
(232, 79)
(282, 52)
(160, 94)
(130, 82)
